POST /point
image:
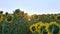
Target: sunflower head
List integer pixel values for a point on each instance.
(35, 17)
(57, 18)
(6, 13)
(53, 28)
(18, 12)
(33, 28)
(9, 18)
(37, 27)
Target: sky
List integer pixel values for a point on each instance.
(31, 6)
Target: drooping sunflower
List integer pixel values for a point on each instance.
(9, 18)
(53, 28)
(33, 28)
(18, 12)
(1, 17)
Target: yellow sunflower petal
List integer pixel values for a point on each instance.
(31, 28)
(37, 27)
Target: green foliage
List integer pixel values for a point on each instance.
(20, 25)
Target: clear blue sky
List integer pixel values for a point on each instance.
(31, 6)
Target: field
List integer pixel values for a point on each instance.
(21, 23)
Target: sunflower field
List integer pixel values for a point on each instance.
(21, 23)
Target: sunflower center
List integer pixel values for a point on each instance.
(33, 28)
(9, 18)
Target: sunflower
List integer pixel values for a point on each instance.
(52, 17)
(32, 28)
(47, 26)
(38, 26)
(57, 18)
(35, 17)
(9, 18)
(18, 12)
(1, 17)
(47, 15)
(52, 25)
